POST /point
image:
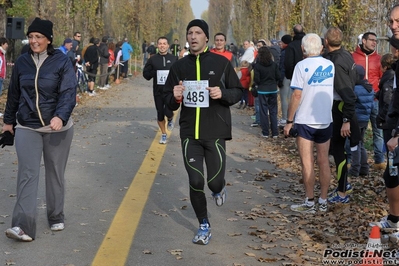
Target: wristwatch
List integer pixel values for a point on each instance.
(289, 121)
(394, 133)
(345, 120)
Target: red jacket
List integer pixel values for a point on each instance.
(371, 64)
(3, 65)
(111, 58)
(225, 53)
(245, 77)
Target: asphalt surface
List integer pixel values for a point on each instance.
(114, 133)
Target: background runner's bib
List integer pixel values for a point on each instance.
(162, 75)
(195, 93)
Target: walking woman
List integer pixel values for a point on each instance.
(41, 97)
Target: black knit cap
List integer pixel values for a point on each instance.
(199, 23)
(394, 42)
(286, 39)
(42, 26)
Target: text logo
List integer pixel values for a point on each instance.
(321, 75)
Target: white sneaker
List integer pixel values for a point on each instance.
(282, 122)
(108, 86)
(386, 225)
(57, 227)
(163, 139)
(18, 234)
(103, 88)
(1, 115)
(92, 93)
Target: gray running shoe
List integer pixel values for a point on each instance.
(323, 207)
(304, 208)
(220, 197)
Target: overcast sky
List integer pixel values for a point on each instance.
(199, 6)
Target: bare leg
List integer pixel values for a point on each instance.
(393, 199)
(324, 167)
(305, 148)
(162, 126)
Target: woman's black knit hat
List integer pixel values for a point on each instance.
(42, 26)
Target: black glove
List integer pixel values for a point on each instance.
(6, 138)
(280, 84)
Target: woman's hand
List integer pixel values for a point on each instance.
(56, 123)
(7, 127)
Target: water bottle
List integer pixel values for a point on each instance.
(393, 170)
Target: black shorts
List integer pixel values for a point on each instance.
(314, 134)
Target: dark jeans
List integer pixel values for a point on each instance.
(244, 98)
(125, 68)
(378, 139)
(268, 109)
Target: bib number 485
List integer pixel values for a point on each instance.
(196, 96)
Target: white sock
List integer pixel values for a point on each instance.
(309, 203)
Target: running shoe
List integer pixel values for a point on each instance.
(349, 190)
(282, 122)
(254, 125)
(323, 207)
(304, 207)
(92, 93)
(203, 235)
(220, 197)
(394, 237)
(336, 198)
(18, 234)
(163, 139)
(171, 125)
(57, 227)
(385, 224)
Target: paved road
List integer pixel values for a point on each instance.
(127, 196)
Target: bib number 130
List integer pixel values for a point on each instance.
(195, 93)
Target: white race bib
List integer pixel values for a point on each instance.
(195, 93)
(162, 75)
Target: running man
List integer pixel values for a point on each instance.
(157, 68)
(206, 85)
